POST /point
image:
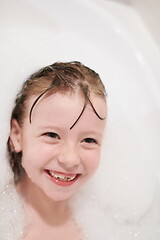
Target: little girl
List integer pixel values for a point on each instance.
(56, 134)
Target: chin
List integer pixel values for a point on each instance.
(60, 197)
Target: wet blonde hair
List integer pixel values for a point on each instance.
(58, 77)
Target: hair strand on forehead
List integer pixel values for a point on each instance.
(96, 111)
(37, 99)
(85, 104)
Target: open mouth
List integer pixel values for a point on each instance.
(62, 178)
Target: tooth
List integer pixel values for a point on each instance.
(62, 178)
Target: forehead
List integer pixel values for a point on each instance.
(65, 109)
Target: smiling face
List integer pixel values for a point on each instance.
(58, 160)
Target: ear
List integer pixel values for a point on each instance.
(15, 136)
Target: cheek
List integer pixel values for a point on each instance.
(91, 161)
(29, 163)
(31, 157)
(37, 154)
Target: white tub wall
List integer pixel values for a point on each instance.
(127, 13)
(149, 11)
(131, 21)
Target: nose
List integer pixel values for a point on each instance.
(69, 158)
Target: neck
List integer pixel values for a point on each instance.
(38, 205)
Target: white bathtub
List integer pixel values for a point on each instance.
(40, 32)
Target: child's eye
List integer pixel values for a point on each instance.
(89, 140)
(52, 135)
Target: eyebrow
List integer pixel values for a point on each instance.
(49, 127)
(63, 129)
(92, 133)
